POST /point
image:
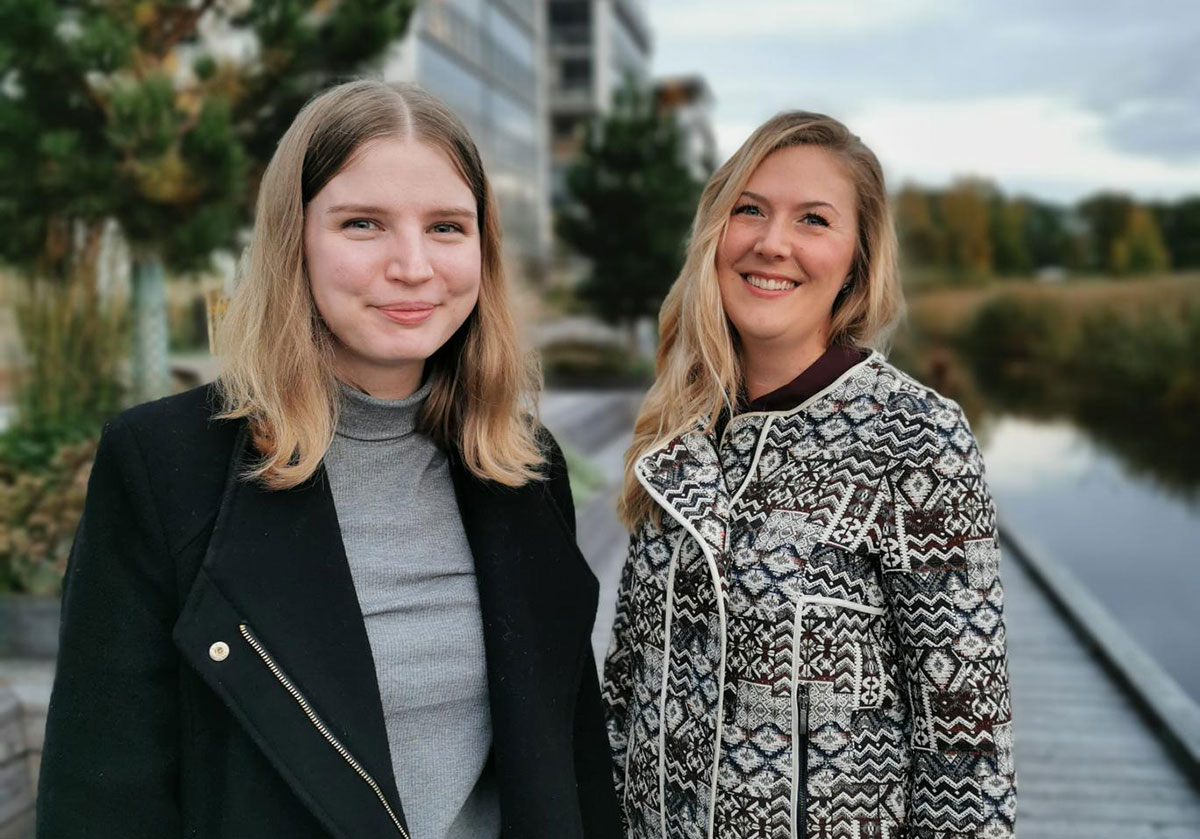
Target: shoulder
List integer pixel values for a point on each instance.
(556, 462)
(172, 452)
(179, 430)
(917, 423)
(557, 482)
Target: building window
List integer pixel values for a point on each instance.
(575, 74)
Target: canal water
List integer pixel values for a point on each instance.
(1132, 539)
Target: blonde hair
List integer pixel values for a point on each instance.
(278, 368)
(698, 369)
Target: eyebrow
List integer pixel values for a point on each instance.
(805, 205)
(373, 210)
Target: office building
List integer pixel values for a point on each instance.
(486, 60)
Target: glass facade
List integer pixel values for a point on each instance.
(484, 59)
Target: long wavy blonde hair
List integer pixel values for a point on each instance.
(277, 352)
(698, 368)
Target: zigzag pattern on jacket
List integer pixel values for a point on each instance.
(812, 642)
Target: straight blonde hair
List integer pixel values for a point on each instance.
(277, 352)
(698, 369)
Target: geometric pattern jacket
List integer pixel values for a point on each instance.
(811, 644)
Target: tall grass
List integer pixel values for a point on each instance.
(74, 342)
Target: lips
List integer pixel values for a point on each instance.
(769, 283)
(407, 313)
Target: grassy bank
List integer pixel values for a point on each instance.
(1119, 357)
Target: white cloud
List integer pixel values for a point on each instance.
(1014, 140)
(800, 19)
(1047, 145)
(1057, 100)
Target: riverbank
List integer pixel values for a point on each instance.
(1119, 358)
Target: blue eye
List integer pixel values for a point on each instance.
(815, 220)
(747, 210)
(446, 227)
(360, 224)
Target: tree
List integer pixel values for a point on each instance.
(1010, 248)
(1044, 229)
(1140, 248)
(1180, 225)
(922, 241)
(630, 202)
(134, 110)
(1107, 217)
(965, 217)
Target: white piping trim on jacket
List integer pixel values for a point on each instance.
(875, 355)
(662, 696)
(762, 438)
(797, 621)
(820, 600)
(716, 579)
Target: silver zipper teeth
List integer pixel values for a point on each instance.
(319, 725)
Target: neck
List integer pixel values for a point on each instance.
(382, 383)
(766, 368)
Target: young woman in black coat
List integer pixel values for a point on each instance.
(337, 594)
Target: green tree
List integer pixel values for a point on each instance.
(1107, 217)
(1139, 249)
(965, 215)
(1044, 229)
(135, 111)
(1180, 226)
(630, 201)
(1010, 249)
(922, 240)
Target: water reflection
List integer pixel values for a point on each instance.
(1130, 541)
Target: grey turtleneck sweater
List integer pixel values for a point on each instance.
(415, 579)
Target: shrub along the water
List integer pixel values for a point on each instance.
(1119, 358)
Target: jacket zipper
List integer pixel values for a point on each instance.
(802, 791)
(320, 725)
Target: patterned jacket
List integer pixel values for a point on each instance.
(812, 643)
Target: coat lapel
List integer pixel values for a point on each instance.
(685, 477)
(275, 589)
(538, 601)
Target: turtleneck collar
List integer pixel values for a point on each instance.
(363, 417)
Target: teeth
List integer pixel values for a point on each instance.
(768, 285)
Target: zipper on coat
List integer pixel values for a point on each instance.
(802, 746)
(319, 725)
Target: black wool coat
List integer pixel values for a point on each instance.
(215, 678)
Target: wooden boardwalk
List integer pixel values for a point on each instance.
(1088, 765)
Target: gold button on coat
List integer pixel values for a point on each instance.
(219, 651)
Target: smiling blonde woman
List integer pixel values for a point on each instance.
(809, 638)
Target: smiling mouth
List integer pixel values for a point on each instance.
(769, 284)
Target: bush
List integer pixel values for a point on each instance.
(1010, 334)
(39, 512)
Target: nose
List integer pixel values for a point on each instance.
(773, 243)
(408, 259)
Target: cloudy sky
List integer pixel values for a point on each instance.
(1056, 98)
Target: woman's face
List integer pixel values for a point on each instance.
(786, 253)
(392, 248)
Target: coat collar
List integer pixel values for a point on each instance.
(275, 584)
(685, 477)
